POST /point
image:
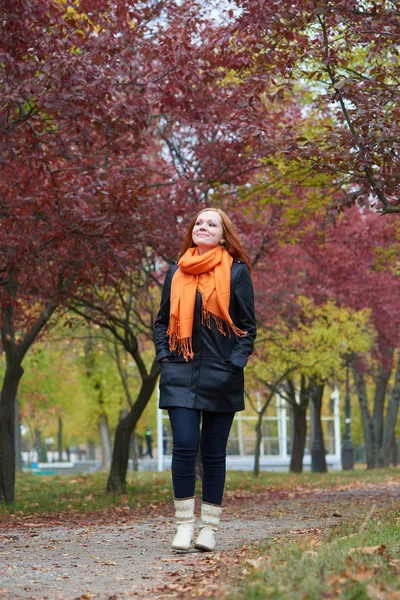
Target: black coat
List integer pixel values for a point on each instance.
(214, 379)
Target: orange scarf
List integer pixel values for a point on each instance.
(210, 274)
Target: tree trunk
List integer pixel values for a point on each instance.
(105, 442)
(60, 439)
(13, 374)
(391, 419)
(257, 450)
(318, 449)
(119, 464)
(259, 426)
(261, 411)
(40, 448)
(299, 438)
(18, 439)
(15, 353)
(395, 457)
(381, 383)
(92, 452)
(367, 422)
(299, 421)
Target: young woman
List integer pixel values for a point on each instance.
(204, 332)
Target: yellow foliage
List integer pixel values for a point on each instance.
(73, 13)
(316, 345)
(230, 77)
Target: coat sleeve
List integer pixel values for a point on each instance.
(162, 319)
(245, 318)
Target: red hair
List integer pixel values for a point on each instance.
(232, 242)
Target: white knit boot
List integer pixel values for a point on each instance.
(184, 513)
(210, 518)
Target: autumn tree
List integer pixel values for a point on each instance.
(359, 258)
(297, 358)
(77, 89)
(340, 59)
(126, 312)
(71, 389)
(353, 262)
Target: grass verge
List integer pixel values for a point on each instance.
(360, 476)
(84, 493)
(39, 494)
(353, 561)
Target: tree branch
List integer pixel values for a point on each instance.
(388, 207)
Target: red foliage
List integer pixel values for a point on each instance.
(344, 54)
(352, 262)
(112, 134)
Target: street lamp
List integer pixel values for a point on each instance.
(347, 444)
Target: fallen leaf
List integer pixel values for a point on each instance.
(257, 563)
(395, 563)
(374, 593)
(369, 549)
(363, 575)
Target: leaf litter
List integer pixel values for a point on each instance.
(115, 554)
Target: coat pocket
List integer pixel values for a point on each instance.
(175, 375)
(174, 357)
(232, 367)
(221, 377)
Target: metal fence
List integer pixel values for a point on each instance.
(275, 447)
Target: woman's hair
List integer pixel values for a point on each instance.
(232, 242)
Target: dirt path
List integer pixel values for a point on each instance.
(133, 559)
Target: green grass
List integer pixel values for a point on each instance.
(86, 493)
(354, 561)
(245, 480)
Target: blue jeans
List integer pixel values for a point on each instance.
(185, 424)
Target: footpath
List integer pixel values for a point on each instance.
(121, 555)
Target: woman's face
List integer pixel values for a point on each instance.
(207, 231)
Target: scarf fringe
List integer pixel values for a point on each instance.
(182, 346)
(223, 325)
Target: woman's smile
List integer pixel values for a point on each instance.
(207, 231)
